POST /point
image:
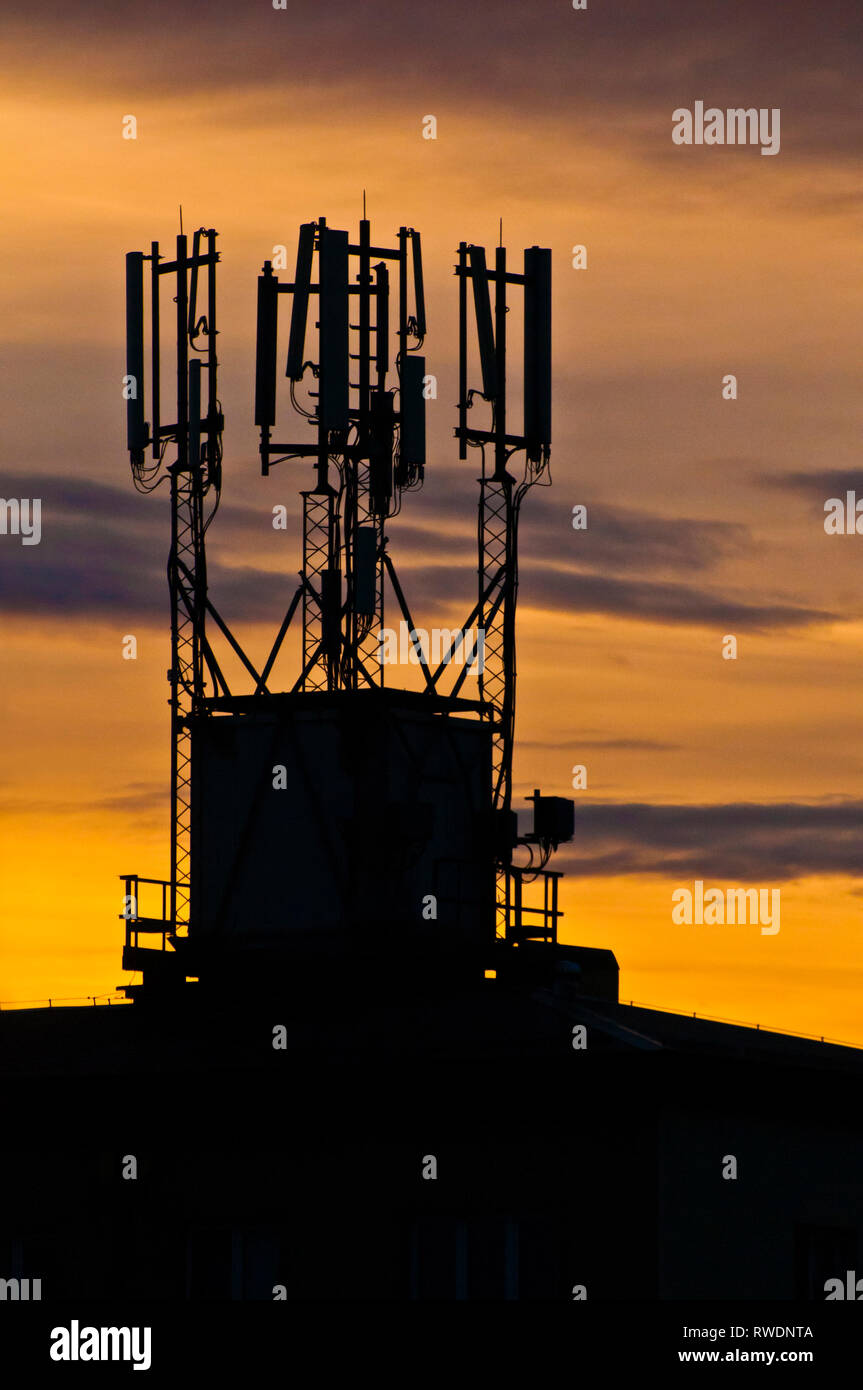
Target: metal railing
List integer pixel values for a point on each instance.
(163, 925)
(739, 1023)
(513, 910)
(9, 1005)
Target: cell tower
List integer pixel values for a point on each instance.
(339, 818)
(194, 475)
(500, 499)
(367, 452)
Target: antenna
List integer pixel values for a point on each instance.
(382, 320)
(412, 445)
(382, 426)
(194, 412)
(430, 789)
(419, 293)
(137, 429)
(190, 483)
(537, 351)
(485, 332)
(333, 262)
(265, 356)
(193, 284)
(365, 450)
(500, 493)
(154, 348)
(300, 309)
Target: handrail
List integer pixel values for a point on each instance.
(739, 1023)
(134, 922)
(10, 1005)
(515, 909)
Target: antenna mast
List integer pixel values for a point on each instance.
(369, 448)
(197, 436)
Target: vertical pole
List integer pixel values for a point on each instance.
(136, 433)
(353, 500)
(330, 588)
(403, 295)
(462, 348)
(265, 359)
(322, 433)
(506, 483)
(196, 505)
(212, 355)
(175, 691)
(182, 353)
(178, 484)
(500, 354)
(365, 331)
(382, 330)
(154, 343)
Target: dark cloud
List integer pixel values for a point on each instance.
(675, 604)
(746, 842)
(616, 538)
(571, 591)
(577, 742)
(104, 550)
(616, 70)
(818, 484)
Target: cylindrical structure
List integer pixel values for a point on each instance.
(334, 389)
(137, 433)
(265, 356)
(537, 350)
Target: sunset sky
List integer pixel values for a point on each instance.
(705, 515)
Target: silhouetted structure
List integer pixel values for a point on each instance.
(359, 1100)
(339, 815)
(301, 1168)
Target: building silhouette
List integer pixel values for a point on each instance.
(360, 1064)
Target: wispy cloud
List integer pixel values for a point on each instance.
(818, 484)
(618, 69)
(103, 555)
(749, 842)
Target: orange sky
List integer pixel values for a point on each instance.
(700, 262)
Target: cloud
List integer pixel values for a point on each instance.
(570, 591)
(612, 74)
(620, 538)
(633, 745)
(146, 803)
(577, 743)
(103, 555)
(616, 538)
(616, 568)
(818, 484)
(746, 842)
